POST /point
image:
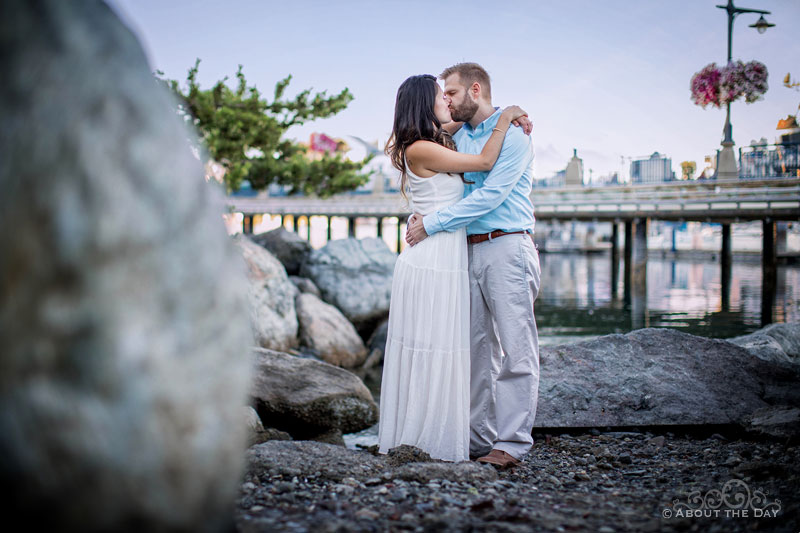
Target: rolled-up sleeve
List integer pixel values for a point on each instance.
(513, 161)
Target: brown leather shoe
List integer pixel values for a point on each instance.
(499, 459)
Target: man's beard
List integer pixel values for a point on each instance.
(465, 111)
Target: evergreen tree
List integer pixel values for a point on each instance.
(244, 132)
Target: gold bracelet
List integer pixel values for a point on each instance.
(498, 129)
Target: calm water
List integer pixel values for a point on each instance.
(576, 302)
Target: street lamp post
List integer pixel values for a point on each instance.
(726, 166)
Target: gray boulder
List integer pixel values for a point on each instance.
(123, 319)
(463, 472)
(333, 436)
(324, 329)
(776, 342)
(781, 422)
(355, 276)
(256, 432)
(337, 464)
(305, 458)
(272, 311)
(309, 398)
(655, 377)
(305, 285)
(286, 246)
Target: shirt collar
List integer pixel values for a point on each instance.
(486, 125)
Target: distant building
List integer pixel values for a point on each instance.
(572, 176)
(609, 179)
(555, 181)
(790, 133)
(384, 177)
(655, 169)
(574, 172)
(320, 144)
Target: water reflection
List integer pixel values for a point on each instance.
(576, 299)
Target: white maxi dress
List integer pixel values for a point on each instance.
(425, 386)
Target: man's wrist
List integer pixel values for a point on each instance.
(431, 223)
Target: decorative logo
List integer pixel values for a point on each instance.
(735, 500)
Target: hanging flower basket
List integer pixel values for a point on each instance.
(718, 87)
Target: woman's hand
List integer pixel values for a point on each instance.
(514, 112)
(524, 123)
(518, 117)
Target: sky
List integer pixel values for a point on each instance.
(608, 78)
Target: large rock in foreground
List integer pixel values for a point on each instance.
(307, 398)
(324, 329)
(355, 275)
(286, 246)
(272, 294)
(123, 323)
(656, 377)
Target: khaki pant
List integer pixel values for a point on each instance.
(504, 344)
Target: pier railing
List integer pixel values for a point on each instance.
(681, 200)
(709, 200)
(769, 160)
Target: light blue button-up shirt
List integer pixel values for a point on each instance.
(500, 198)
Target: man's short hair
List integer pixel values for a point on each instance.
(469, 74)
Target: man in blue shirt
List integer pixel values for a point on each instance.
(504, 273)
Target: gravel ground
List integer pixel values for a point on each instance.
(598, 481)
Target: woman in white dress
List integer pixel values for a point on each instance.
(425, 384)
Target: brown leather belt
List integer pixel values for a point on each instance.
(475, 239)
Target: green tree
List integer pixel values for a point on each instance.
(244, 132)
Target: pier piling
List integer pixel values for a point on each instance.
(769, 271)
(726, 262)
(639, 273)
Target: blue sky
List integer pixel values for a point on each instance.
(610, 78)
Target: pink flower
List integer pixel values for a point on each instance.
(755, 75)
(718, 87)
(705, 86)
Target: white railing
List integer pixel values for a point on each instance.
(674, 197)
(751, 198)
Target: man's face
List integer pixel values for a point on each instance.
(462, 106)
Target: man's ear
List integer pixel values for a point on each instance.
(475, 90)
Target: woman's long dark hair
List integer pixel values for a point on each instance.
(415, 120)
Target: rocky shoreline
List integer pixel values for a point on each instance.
(690, 425)
(595, 481)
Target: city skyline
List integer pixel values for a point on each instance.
(610, 80)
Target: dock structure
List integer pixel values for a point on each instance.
(717, 201)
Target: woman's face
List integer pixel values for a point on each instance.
(440, 107)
